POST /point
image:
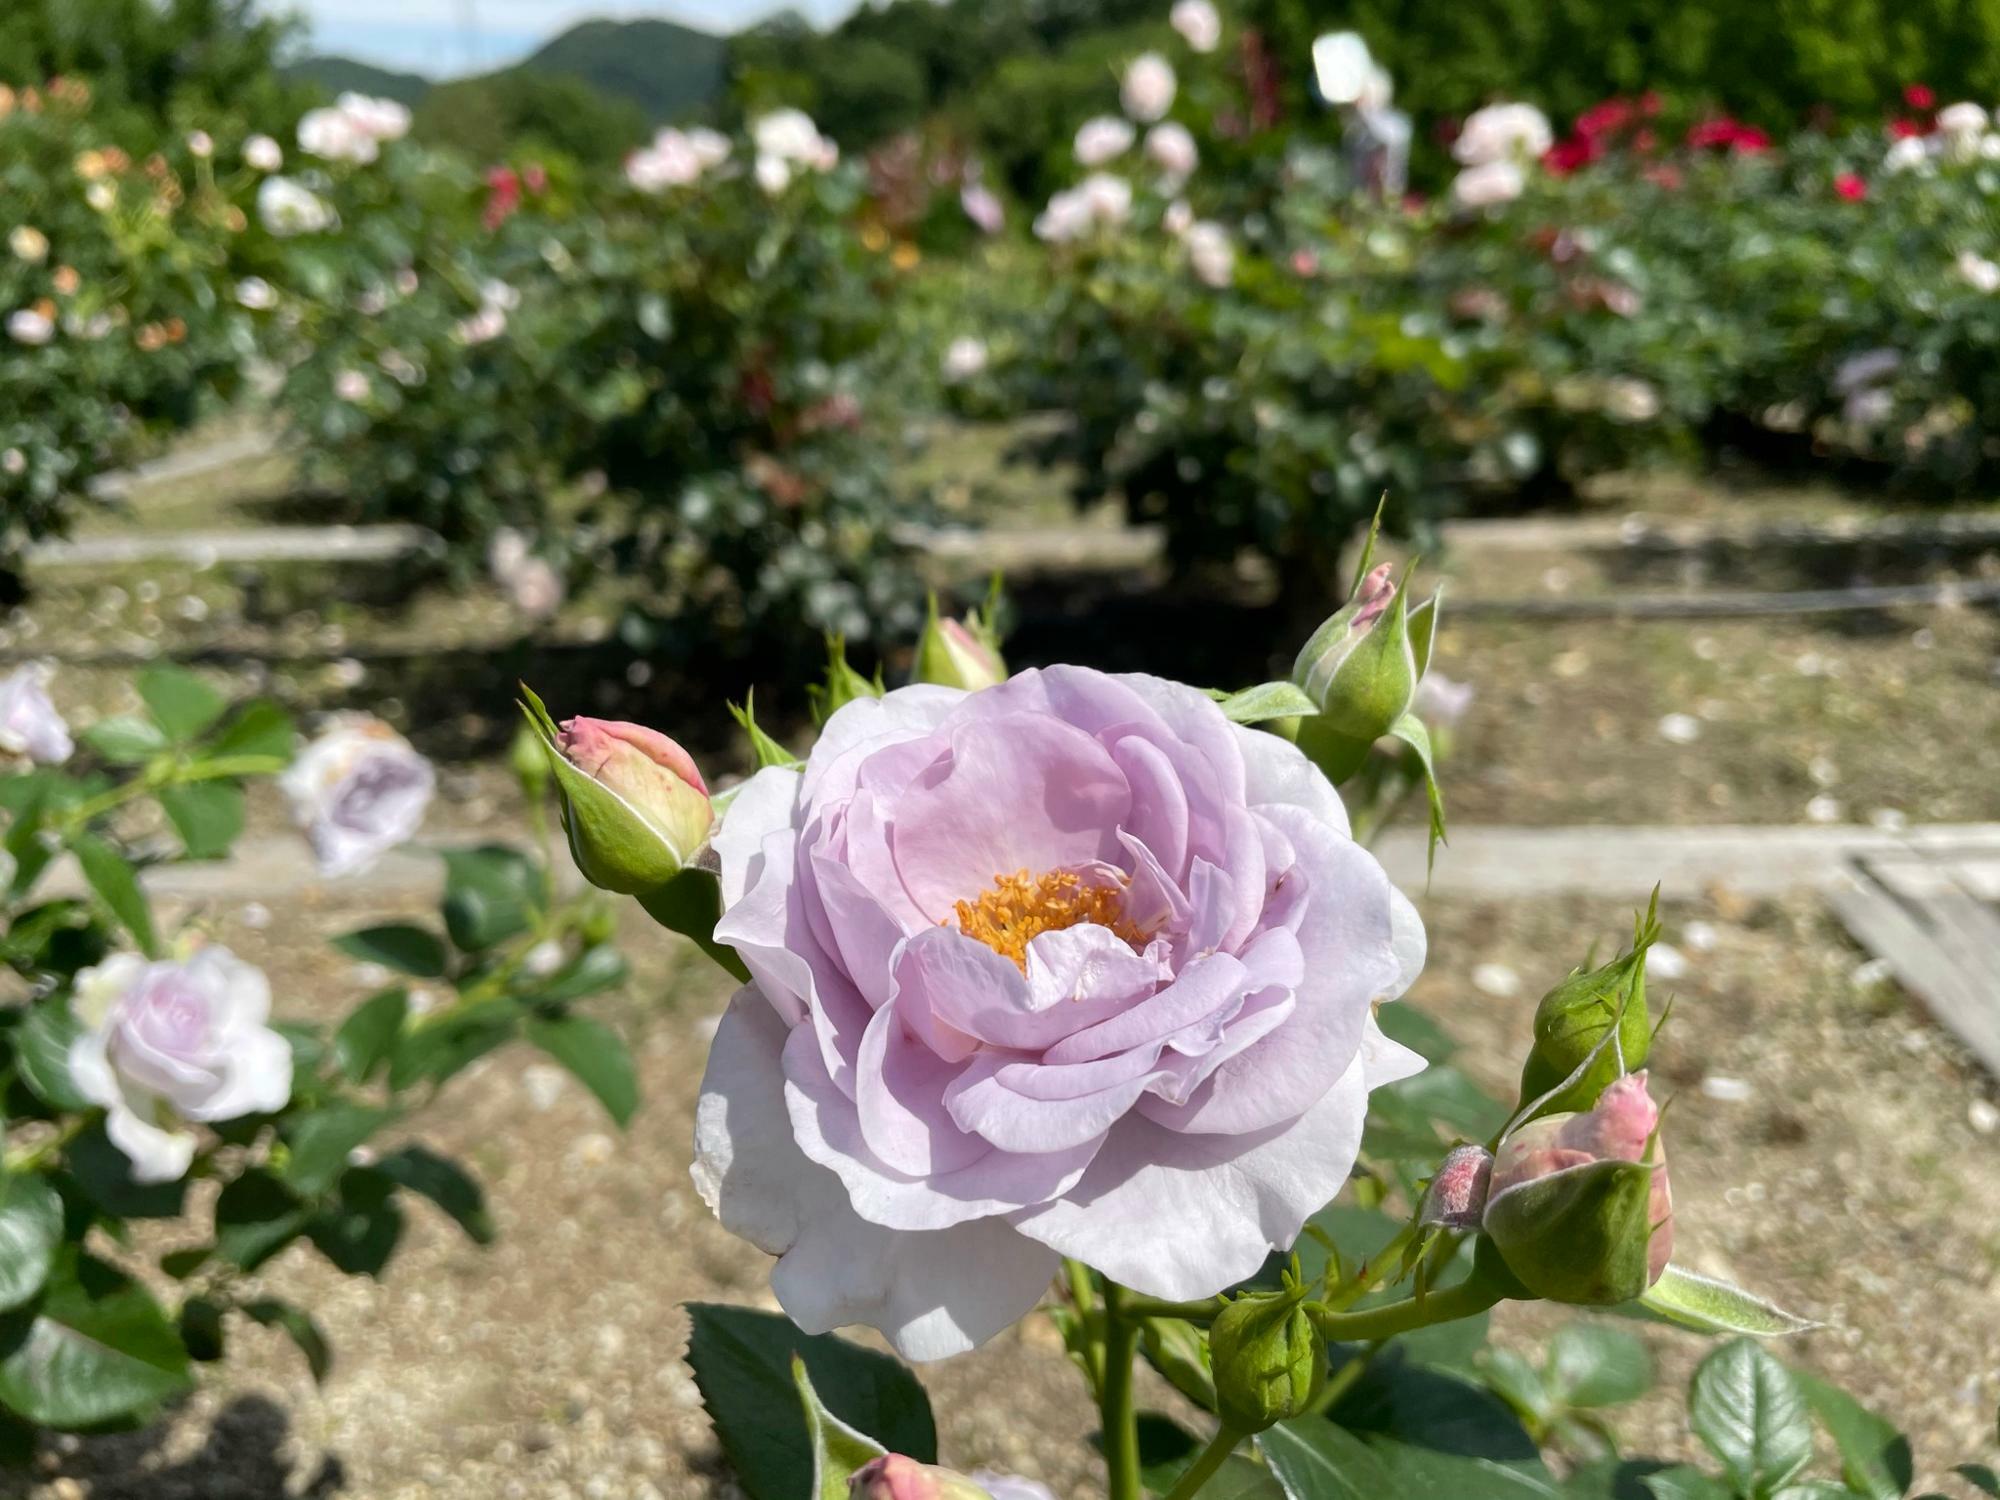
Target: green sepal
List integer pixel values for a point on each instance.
(767, 750)
(1410, 730)
(843, 684)
(1706, 1304)
(1578, 1236)
(838, 1449)
(691, 904)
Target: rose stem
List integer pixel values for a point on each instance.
(1117, 1416)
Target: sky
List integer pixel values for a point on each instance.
(444, 38)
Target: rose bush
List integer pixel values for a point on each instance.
(135, 1059)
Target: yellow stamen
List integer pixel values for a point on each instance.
(1021, 906)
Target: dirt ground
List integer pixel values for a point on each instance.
(1842, 1170)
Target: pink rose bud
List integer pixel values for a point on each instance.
(650, 773)
(1456, 1197)
(951, 653)
(1579, 1206)
(894, 1477)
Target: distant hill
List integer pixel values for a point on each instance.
(341, 74)
(667, 69)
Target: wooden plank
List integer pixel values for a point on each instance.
(1943, 944)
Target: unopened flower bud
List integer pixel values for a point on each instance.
(894, 1477)
(843, 684)
(960, 654)
(1267, 1357)
(634, 803)
(1362, 668)
(1580, 1209)
(1456, 1197)
(1574, 1021)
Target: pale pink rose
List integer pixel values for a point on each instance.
(1198, 22)
(174, 1042)
(983, 207)
(263, 154)
(1492, 183)
(1170, 147)
(27, 326)
(1068, 966)
(1511, 133)
(1103, 139)
(964, 359)
(351, 386)
(1148, 87)
(29, 723)
(358, 791)
(1210, 254)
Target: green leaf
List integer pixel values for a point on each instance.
(321, 1142)
(1316, 1460)
(361, 1230)
(1517, 1382)
(94, 1348)
(125, 739)
(262, 728)
(1707, 1305)
(1410, 730)
(437, 1052)
(838, 1450)
(41, 1053)
(596, 1055)
(445, 1183)
(1980, 1477)
(1179, 1352)
(104, 1175)
(368, 1037)
(1875, 1458)
(1267, 701)
(208, 815)
(299, 1326)
(181, 703)
(490, 894)
(591, 972)
(117, 886)
(256, 1216)
(1418, 1472)
(1685, 1484)
(1750, 1413)
(742, 1362)
(31, 1230)
(1591, 1365)
(404, 948)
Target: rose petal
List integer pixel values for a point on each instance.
(932, 1294)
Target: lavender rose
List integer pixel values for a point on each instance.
(357, 791)
(1068, 966)
(29, 723)
(168, 1043)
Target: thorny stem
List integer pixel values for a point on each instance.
(1370, 1271)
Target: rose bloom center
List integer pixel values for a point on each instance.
(1019, 908)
